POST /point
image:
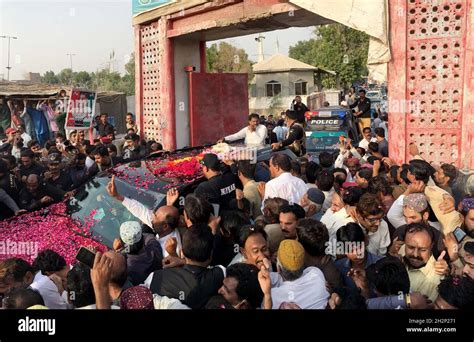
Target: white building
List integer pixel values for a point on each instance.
(278, 79)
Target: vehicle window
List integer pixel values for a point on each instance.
(323, 140)
(103, 215)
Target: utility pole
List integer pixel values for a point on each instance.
(70, 57)
(259, 41)
(8, 66)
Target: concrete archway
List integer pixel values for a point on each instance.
(172, 37)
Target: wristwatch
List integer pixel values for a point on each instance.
(408, 300)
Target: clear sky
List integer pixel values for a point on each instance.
(48, 30)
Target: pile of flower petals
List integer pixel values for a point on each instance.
(51, 228)
(186, 169)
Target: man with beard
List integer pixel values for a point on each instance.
(425, 272)
(312, 203)
(28, 165)
(467, 257)
(414, 210)
(445, 176)
(79, 172)
(36, 194)
(461, 255)
(467, 210)
(163, 220)
(134, 150)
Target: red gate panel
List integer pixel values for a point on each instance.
(426, 78)
(219, 105)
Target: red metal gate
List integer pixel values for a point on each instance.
(429, 75)
(219, 106)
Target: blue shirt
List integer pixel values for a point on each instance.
(344, 266)
(40, 124)
(317, 216)
(29, 127)
(262, 174)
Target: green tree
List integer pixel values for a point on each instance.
(82, 79)
(228, 58)
(100, 80)
(50, 77)
(328, 50)
(65, 77)
(128, 80)
(211, 57)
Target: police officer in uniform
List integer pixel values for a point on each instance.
(295, 138)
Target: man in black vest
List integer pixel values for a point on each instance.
(194, 283)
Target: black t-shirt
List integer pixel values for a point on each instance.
(134, 154)
(10, 184)
(63, 182)
(300, 109)
(193, 285)
(33, 169)
(105, 129)
(223, 251)
(219, 189)
(32, 202)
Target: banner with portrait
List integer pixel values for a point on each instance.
(81, 109)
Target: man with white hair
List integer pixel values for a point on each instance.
(312, 203)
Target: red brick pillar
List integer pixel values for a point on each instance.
(154, 83)
(430, 80)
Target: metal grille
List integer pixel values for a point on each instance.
(152, 118)
(435, 77)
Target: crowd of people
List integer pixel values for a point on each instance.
(37, 169)
(352, 230)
